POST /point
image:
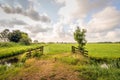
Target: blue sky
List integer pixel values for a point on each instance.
(56, 20)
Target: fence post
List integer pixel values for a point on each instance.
(41, 49)
(73, 49)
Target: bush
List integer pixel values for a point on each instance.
(25, 41)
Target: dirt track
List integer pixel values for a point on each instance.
(46, 70)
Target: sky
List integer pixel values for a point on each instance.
(56, 20)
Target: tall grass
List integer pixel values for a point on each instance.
(93, 72)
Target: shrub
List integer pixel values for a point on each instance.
(25, 41)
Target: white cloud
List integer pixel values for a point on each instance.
(113, 35)
(38, 28)
(60, 1)
(104, 25)
(72, 9)
(62, 33)
(78, 9)
(30, 12)
(105, 20)
(12, 22)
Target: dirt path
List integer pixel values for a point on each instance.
(46, 70)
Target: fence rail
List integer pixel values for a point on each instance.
(39, 49)
(76, 50)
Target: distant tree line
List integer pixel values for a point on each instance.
(16, 36)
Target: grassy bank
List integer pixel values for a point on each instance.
(11, 49)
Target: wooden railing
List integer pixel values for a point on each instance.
(39, 49)
(76, 50)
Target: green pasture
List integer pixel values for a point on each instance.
(94, 49)
(57, 48)
(104, 50)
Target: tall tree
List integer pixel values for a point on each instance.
(79, 36)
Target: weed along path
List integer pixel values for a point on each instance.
(45, 70)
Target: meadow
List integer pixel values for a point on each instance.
(58, 59)
(109, 50)
(104, 50)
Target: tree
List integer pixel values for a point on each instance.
(4, 35)
(18, 36)
(79, 36)
(36, 41)
(25, 39)
(15, 36)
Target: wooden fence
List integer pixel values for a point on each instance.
(39, 49)
(76, 50)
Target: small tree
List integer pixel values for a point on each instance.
(79, 36)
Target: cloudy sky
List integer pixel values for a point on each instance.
(56, 20)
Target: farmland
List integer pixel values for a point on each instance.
(58, 63)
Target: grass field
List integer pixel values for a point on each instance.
(94, 50)
(104, 50)
(58, 63)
